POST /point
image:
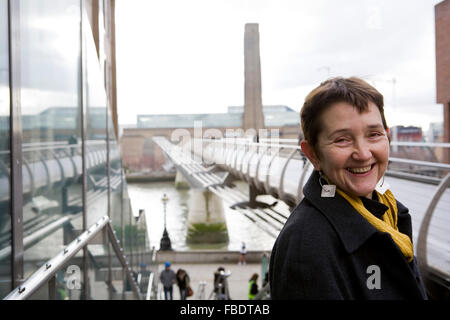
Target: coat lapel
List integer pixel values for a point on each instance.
(352, 229)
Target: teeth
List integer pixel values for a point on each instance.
(359, 170)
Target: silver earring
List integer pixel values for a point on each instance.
(382, 187)
(328, 190)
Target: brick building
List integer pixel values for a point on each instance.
(442, 25)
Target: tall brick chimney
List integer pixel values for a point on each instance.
(253, 117)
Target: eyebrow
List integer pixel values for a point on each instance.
(346, 130)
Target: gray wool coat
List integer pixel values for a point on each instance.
(327, 250)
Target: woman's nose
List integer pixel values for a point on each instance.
(362, 151)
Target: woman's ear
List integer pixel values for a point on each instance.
(310, 154)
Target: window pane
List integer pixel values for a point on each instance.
(50, 97)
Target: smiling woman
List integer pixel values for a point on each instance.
(353, 148)
(347, 224)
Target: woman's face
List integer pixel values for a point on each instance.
(353, 148)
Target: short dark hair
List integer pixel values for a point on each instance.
(354, 91)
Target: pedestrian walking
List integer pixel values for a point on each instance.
(253, 286)
(221, 284)
(183, 282)
(243, 253)
(168, 278)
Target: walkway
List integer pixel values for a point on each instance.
(237, 281)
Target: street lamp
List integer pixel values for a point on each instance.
(165, 243)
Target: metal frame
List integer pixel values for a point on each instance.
(83, 95)
(17, 250)
(47, 272)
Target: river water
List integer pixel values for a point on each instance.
(148, 196)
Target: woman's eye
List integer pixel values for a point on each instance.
(341, 140)
(376, 134)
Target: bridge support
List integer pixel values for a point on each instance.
(180, 181)
(206, 219)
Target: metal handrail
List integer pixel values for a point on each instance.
(392, 159)
(281, 140)
(421, 144)
(247, 143)
(33, 238)
(49, 269)
(425, 225)
(421, 163)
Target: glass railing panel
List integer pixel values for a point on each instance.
(96, 134)
(100, 138)
(51, 109)
(67, 285)
(119, 282)
(98, 271)
(5, 195)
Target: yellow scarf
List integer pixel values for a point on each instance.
(389, 222)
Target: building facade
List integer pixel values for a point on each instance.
(60, 165)
(442, 27)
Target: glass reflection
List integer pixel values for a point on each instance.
(96, 134)
(51, 146)
(50, 97)
(96, 163)
(5, 220)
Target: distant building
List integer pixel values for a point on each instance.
(442, 26)
(410, 133)
(436, 132)
(139, 153)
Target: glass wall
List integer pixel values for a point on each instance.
(62, 102)
(5, 218)
(97, 160)
(51, 110)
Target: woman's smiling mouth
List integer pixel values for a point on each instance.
(360, 170)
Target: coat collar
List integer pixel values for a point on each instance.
(351, 227)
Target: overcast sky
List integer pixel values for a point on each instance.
(178, 56)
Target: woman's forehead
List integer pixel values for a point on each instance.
(345, 117)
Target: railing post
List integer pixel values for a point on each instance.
(424, 226)
(16, 194)
(52, 288)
